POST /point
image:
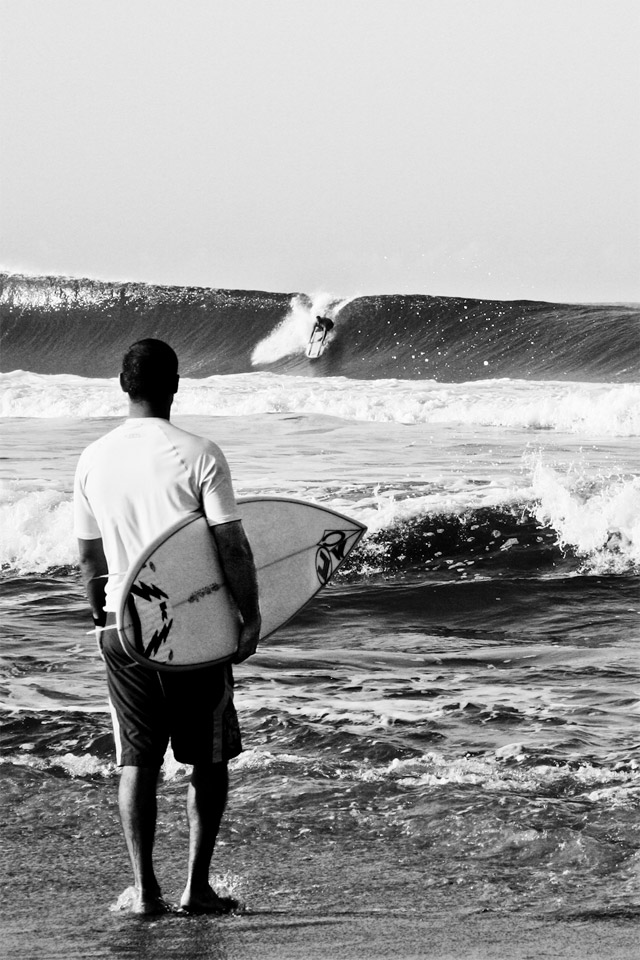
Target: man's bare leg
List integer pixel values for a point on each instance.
(138, 812)
(206, 800)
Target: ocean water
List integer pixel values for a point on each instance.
(453, 724)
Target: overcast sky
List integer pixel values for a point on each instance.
(485, 148)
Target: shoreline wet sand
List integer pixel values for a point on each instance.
(300, 901)
(71, 931)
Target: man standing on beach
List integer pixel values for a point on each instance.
(130, 486)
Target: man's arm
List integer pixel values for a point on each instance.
(93, 568)
(240, 573)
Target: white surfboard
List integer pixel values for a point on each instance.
(176, 610)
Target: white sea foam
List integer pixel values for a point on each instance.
(37, 527)
(433, 769)
(37, 520)
(85, 765)
(590, 409)
(384, 511)
(24, 394)
(598, 520)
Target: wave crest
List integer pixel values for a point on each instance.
(63, 325)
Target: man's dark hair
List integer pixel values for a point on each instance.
(150, 370)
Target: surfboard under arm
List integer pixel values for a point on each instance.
(176, 611)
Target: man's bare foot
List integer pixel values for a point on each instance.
(135, 901)
(206, 901)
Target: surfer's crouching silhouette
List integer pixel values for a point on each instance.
(317, 341)
(323, 323)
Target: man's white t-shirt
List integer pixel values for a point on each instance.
(140, 479)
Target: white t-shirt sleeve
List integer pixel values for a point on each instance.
(85, 526)
(218, 498)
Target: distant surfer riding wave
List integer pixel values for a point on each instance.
(318, 339)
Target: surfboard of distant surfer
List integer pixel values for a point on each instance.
(176, 611)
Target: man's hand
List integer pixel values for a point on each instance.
(239, 571)
(248, 642)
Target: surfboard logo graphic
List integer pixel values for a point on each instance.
(332, 550)
(156, 613)
(159, 637)
(148, 591)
